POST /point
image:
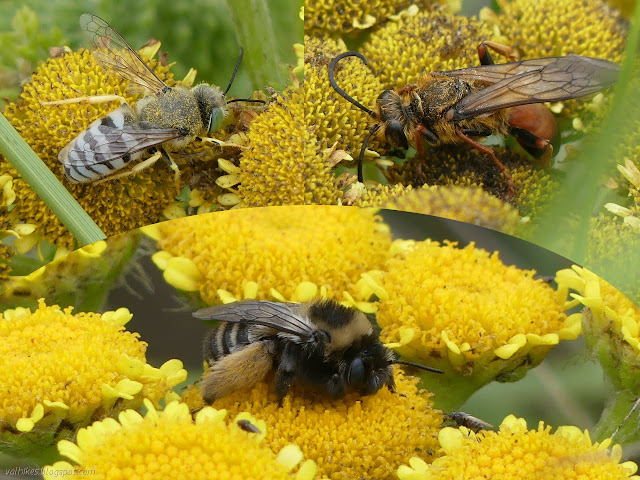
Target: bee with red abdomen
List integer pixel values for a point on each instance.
(320, 343)
(456, 106)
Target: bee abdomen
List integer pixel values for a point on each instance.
(226, 338)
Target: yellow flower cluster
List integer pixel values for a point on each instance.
(352, 438)
(299, 174)
(249, 253)
(60, 370)
(344, 17)
(465, 204)
(169, 444)
(463, 310)
(517, 453)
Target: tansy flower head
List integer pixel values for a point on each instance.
(340, 18)
(449, 166)
(515, 453)
(79, 278)
(170, 444)
(430, 41)
(463, 310)
(352, 438)
(285, 253)
(116, 206)
(466, 204)
(282, 165)
(60, 371)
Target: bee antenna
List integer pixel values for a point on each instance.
(417, 365)
(248, 100)
(373, 130)
(335, 86)
(235, 70)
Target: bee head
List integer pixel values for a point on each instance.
(212, 105)
(368, 366)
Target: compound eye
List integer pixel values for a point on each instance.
(356, 372)
(395, 134)
(215, 120)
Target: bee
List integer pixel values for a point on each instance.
(463, 419)
(320, 343)
(166, 118)
(455, 106)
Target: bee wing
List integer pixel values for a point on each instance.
(102, 143)
(281, 317)
(538, 81)
(114, 53)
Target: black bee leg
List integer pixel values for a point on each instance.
(511, 187)
(335, 386)
(485, 57)
(286, 372)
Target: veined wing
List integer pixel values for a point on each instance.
(108, 145)
(563, 78)
(116, 54)
(281, 317)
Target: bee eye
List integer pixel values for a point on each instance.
(395, 134)
(215, 120)
(355, 376)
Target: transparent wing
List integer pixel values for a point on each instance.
(102, 144)
(114, 53)
(499, 71)
(282, 317)
(563, 78)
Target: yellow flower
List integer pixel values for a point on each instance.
(515, 453)
(282, 165)
(333, 17)
(353, 438)
(466, 204)
(463, 310)
(330, 116)
(535, 187)
(431, 40)
(549, 28)
(116, 206)
(170, 444)
(72, 279)
(631, 174)
(60, 371)
(273, 252)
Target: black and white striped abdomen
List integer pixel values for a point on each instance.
(101, 149)
(226, 338)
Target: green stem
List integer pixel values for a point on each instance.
(620, 416)
(47, 186)
(254, 28)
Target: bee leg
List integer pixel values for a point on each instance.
(287, 369)
(511, 187)
(220, 143)
(136, 169)
(92, 99)
(335, 386)
(420, 132)
(176, 171)
(504, 50)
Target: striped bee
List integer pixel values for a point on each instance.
(320, 343)
(167, 118)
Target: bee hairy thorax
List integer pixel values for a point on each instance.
(176, 108)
